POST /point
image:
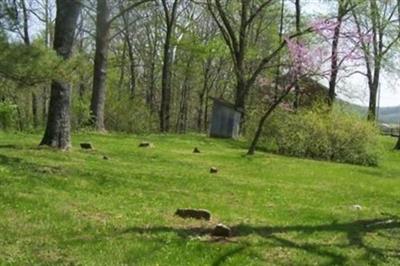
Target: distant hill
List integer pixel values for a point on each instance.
(312, 88)
(387, 115)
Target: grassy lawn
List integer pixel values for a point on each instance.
(77, 208)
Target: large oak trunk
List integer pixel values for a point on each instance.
(58, 129)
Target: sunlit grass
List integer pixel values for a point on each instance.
(77, 208)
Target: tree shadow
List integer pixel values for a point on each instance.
(10, 147)
(19, 164)
(222, 259)
(377, 172)
(355, 233)
(21, 147)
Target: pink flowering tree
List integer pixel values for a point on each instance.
(306, 59)
(344, 41)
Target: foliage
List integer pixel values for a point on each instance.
(7, 114)
(318, 133)
(32, 65)
(130, 116)
(8, 14)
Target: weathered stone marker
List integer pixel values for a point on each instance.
(213, 170)
(198, 214)
(196, 150)
(86, 146)
(146, 144)
(357, 207)
(222, 230)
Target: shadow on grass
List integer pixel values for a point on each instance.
(19, 164)
(40, 174)
(354, 231)
(10, 146)
(20, 147)
(389, 173)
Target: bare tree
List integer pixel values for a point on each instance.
(277, 99)
(104, 20)
(344, 7)
(170, 14)
(380, 20)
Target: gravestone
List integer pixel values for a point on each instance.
(222, 230)
(86, 146)
(145, 144)
(213, 170)
(198, 214)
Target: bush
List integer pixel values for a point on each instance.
(322, 134)
(8, 113)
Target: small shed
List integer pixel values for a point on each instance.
(225, 120)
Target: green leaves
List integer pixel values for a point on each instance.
(32, 65)
(7, 114)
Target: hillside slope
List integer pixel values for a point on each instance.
(387, 115)
(78, 208)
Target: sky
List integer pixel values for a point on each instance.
(355, 88)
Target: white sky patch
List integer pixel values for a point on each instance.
(355, 88)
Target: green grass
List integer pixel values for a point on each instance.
(76, 208)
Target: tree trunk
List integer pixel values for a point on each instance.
(81, 93)
(296, 104)
(100, 65)
(181, 125)
(132, 67)
(122, 71)
(263, 119)
(150, 96)
(19, 113)
(45, 97)
(397, 147)
(200, 112)
(170, 19)
(58, 129)
(47, 41)
(35, 113)
(240, 98)
(202, 93)
(131, 56)
(26, 37)
(27, 42)
(206, 106)
(334, 55)
(166, 84)
(373, 93)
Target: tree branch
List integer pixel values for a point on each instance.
(127, 9)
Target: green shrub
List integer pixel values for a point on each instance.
(322, 134)
(8, 113)
(130, 116)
